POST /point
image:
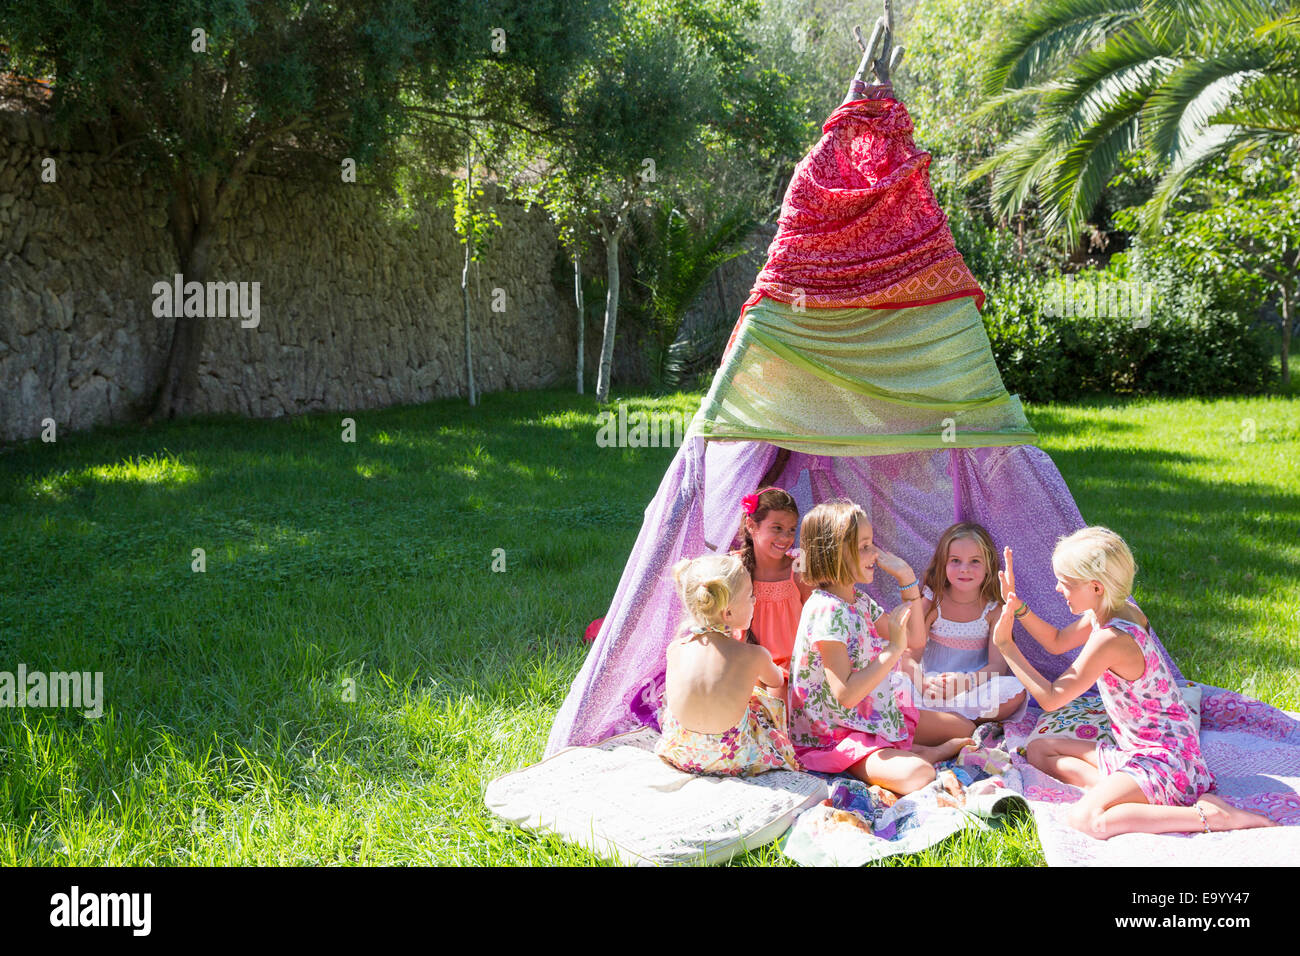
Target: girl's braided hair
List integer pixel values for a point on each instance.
(769, 499)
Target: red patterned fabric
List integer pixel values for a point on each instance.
(860, 226)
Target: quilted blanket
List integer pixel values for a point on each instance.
(1252, 749)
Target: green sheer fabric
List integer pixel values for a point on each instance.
(862, 382)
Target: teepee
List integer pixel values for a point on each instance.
(859, 368)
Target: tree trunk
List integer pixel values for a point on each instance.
(464, 276)
(582, 315)
(193, 232)
(611, 311)
(1287, 311)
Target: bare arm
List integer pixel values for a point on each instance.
(918, 632)
(850, 686)
(997, 663)
(1110, 648)
(1056, 640)
(805, 586)
(909, 664)
(767, 671)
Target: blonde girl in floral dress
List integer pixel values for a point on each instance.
(1154, 779)
(850, 708)
(717, 717)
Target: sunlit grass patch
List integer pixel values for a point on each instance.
(341, 683)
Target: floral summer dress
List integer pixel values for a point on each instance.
(1156, 742)
(759, 742)
(827, 736)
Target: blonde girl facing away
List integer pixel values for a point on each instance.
(717, 716)
(850, 708)
(1154, 779)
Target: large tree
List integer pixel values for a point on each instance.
(669, 93)
(200, 92)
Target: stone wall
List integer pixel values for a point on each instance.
(356, 311)
(720, 300)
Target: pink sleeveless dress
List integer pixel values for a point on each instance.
(1156, 742)
(777, 606)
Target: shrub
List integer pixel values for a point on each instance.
(1183, 344)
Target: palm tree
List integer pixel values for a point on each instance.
(1190, 81)
(681, 250)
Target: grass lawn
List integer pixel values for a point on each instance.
(348, 673)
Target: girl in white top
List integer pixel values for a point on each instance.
(957, 668)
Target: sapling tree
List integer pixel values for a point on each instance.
(665, 88)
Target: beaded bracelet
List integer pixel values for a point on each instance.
(1024, 609)
(904, 587)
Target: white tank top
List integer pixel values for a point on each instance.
(957, 645)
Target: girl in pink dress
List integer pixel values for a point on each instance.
(1154, 779)
(767, 529)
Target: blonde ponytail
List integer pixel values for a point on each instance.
(705, 586)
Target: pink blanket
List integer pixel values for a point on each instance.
(1253, 751)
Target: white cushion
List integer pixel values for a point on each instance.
(622, 802)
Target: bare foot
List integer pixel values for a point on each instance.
(1221, 815)
(944, 750)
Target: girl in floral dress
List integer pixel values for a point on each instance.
(850, 708)
(1154, 779)
(717, 717)
(768, 525)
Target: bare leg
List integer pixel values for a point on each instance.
(898, 770)
(1221, 815)
(1118, 805)
(1005, 711)
(938, 727)
(1071, 761)
(943, 751)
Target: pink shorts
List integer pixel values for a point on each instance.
(856, 746)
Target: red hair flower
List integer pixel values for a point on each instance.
(749, 503)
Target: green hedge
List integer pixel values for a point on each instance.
(1169, 339)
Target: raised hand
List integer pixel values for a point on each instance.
(893, 565)
(1007, 581)
(898, 628)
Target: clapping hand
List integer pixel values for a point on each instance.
(898, 619)
(1007, 580)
